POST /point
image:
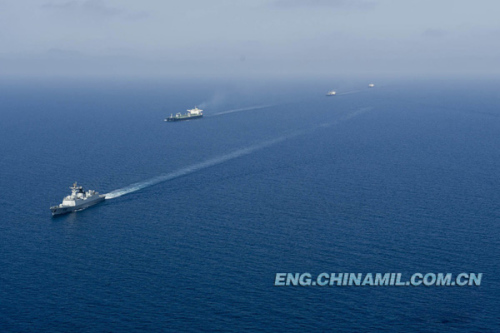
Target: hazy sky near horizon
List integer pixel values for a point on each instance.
(248, 38)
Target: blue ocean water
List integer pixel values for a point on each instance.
(275, 178)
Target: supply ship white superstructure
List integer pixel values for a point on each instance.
(191, 114)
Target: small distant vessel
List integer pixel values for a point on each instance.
(191, 114)
(78, 200)
(331, 93)
(371, 85)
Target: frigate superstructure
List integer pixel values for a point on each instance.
(77, 200)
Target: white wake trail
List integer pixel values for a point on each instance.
(243, 109)
(195, 167)
(350, 92)
(223, 158)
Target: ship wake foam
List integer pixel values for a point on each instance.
(221, 159)
(257, 107)
(351, 92)
(193, 168)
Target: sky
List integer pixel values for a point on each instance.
(251, 38)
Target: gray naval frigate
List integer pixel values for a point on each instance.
(77, 200)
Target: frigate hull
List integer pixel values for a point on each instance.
(61, 209)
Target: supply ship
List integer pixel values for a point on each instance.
(78, 200)
(191, 114)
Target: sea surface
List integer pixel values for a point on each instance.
(277, 177)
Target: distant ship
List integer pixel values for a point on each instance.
(331, 93)
(78, 200)
(191, 114)
(371, 85)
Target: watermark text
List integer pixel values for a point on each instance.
(378, 279)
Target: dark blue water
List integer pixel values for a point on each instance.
(400, 178)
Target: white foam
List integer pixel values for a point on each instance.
(243, 109)
(221, 159)
(192, 168)
(351, 92)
